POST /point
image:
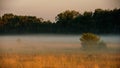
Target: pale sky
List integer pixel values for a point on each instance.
(48, 9)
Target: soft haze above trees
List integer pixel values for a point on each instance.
(67, 22)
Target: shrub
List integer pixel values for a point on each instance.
(91, 41)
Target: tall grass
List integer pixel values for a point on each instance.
(60, 60)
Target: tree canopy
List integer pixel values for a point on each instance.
(67, 22)
(66, 17)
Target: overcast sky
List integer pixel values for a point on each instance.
(48, 9)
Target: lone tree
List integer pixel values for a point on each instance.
(91, 41)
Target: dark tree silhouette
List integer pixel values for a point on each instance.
(65, 18)
(67, 22)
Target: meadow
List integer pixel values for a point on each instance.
(60, 52)
(62, 60)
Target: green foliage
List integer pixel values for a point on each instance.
(91, 41)
(89, 37)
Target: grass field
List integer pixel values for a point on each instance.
(62, 60)
(42, 52)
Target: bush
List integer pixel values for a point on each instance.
(91, 41)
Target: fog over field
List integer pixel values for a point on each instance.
(39, 43)
(48, 34)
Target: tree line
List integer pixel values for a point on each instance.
(68, 22)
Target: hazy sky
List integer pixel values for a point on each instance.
(48, 9)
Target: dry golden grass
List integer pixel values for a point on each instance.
(60, 60)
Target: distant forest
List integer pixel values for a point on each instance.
(68, 22)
